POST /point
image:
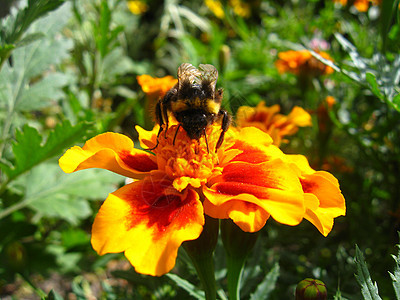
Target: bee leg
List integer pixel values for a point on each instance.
(205, 137)
(176, 133)
(226, 121)
(163, 112)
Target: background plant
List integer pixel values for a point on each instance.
(68, 72)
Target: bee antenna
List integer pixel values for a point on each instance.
(176, 133)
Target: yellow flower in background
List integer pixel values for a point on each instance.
(216, 7)
(240, 8)
(156, 87)
(270, 121)
(137, 7)
(302, 62)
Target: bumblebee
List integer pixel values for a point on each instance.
(194, 102)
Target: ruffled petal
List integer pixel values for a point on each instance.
(244, 211)
(325, 188)
(148, 220)
(147, 139)
(271, 186)
(255, 146)
(300, 164)
(111, 151)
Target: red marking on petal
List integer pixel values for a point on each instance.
(308, 186)
(250, 154)
(138, 162)
(236, 188)
(252, 174)
(157, 205)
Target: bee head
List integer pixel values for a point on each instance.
(195, 122)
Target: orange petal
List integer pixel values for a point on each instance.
(244, 212)
(111, 151)
(271, 187)
(325, 188)
(256, 146)
(147, 139)
(300, 163)
(299, 117)
(148, 220)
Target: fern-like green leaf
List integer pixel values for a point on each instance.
(369, 290)
(30, 149)
(265, 288)
(187, 286)
(396, 274)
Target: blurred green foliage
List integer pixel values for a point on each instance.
(68, 72)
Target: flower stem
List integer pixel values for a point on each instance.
(201, 252)
(235, 270)
(237, 245)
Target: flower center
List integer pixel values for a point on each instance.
(188, 161)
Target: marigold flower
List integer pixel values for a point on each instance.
(156, 87)
(247, 180)
(240, 8)
(302, 62)
(360, 5)
(216, 7)
(137, 7)
(270, 121)
(322, 112)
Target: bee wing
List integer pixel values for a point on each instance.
(209, 74)
(187, 72)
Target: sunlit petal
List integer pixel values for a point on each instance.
(271, 186)
(148, 220)
(111, 151)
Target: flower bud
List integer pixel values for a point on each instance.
(16, 255)
(311, 289)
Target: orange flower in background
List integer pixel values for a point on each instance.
(156, 87)
(270, 121)
(302, 62)
(247, 180)
(324, 121)
(360, 5)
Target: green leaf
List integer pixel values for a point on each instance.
(15, 25)
(369, 290)
(388, 8)
(396, 100)
(74, 237)
(187, 286)
(52, 193)
(373, 84)
(5, 48)
(104, 29)
(267, 285)
(30, 38)
(40, 94)
(18, 91)
(396, 274)
(30, 149)
(53, 295)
